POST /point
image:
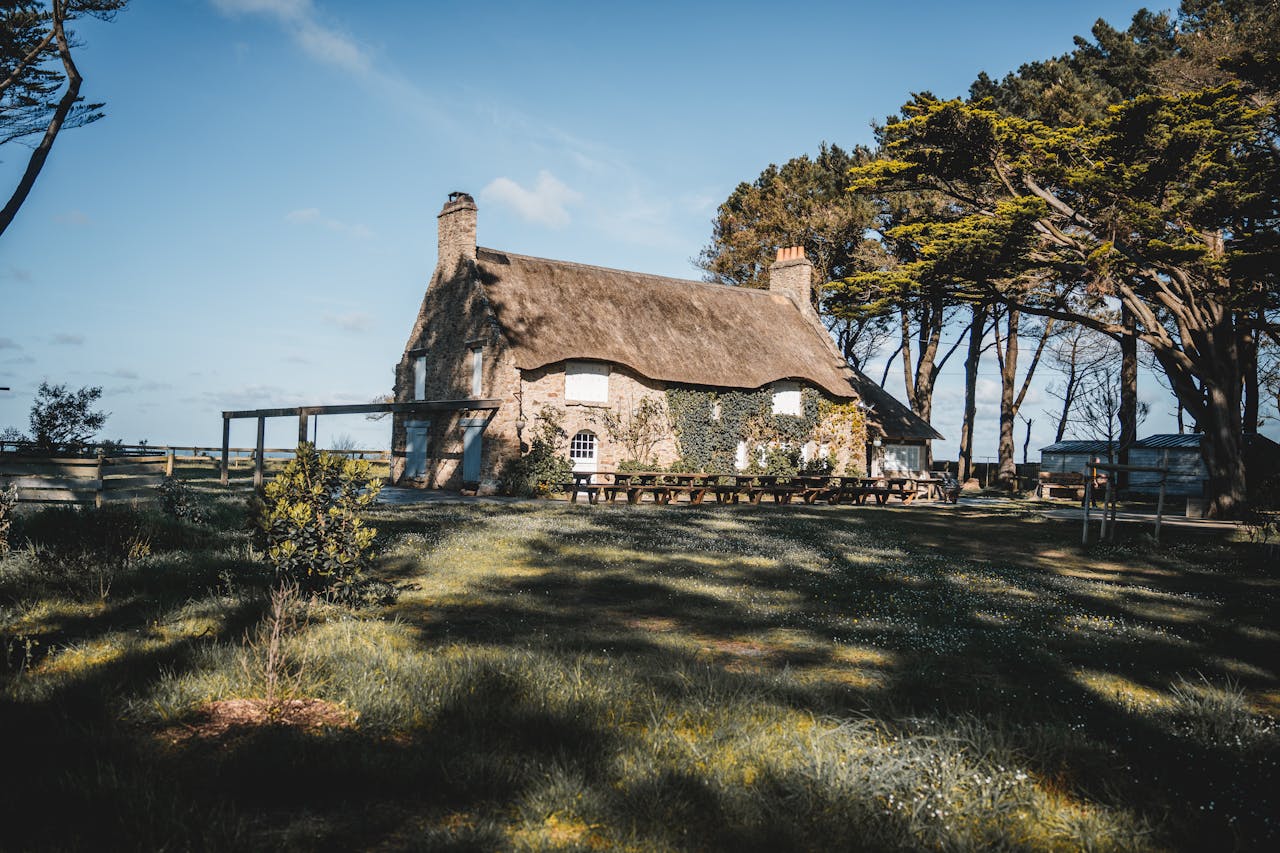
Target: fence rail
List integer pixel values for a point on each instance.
(84, 481)
(131, 475)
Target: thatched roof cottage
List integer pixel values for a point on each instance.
(533, 337)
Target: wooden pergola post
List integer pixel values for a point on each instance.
(258, 461)
(302, 425)
(226, 444)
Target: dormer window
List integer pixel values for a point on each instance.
(786, 398)
(586, 382)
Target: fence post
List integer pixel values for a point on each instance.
(258, 461)
(226, 444)
(1088, 499)
(101, 484)
(168, 462)
(302, 425)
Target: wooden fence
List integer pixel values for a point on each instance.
(43, 479)
(97, 480)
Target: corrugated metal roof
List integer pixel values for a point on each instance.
(1172, 441)
(1079, 447)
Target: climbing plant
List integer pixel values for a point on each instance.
(709, 426)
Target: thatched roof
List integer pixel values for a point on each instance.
(671, 330)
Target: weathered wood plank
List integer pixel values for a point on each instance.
(368, 408)
(110, 484)
(113, 461)
(57, 495)
(42, 482)
(28, 469)
(131, 470)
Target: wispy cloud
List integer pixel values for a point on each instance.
(313, 216)
(354, 321)
(72, 217)
(62, 339)
(300, 19)
(546, 204)
(9, 343)
(19, 274)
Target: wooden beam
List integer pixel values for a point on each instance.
(258, 461)
(302, 424)
(226, 444)
(302, 412)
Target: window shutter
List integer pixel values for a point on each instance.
(586, 381)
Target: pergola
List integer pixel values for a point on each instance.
(304, 412)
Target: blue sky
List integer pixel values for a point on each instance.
(253, 223)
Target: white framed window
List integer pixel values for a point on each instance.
(902, 457)
(582, 448)
(786, 398)
(420, 378)
(477, 371)
(586, 381)
(740, 456)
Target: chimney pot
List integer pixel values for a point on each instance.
(792, 274)
(457, 232)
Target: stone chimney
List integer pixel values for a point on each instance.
(457, 232)
(792, 274)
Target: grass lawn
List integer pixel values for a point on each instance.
(647, 678)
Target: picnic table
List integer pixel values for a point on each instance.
(666, 487)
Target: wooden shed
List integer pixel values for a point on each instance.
(1187, 473)
(1070, 457)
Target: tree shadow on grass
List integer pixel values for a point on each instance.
(838, 614)
(1015, 640)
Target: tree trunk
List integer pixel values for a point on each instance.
(1007, 476)
(971, 362)
(1208, 381)
(40, 153)
(1068, 397)
(1249, 361)
(921, 377)
(1128, 393)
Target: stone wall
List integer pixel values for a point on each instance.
(545, 387)
(454, 319)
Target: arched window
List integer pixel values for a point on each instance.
(583, 446)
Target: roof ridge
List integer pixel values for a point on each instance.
(666, 279)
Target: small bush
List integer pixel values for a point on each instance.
(310, 518)
(818, 466)
(115, 532)
(178, 500)
(537, 471)
(776, 462)
(8, 501)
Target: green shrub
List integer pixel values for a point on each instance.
(537, 471)
(114, 533)
(818, 466)
(776, 462)
(310, 518)
(8, 501)
(178, 500)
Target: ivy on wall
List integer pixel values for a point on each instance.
(709, 425)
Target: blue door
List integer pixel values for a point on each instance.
(472, 431)
(415, 448)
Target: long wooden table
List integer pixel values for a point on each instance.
(666, 487)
